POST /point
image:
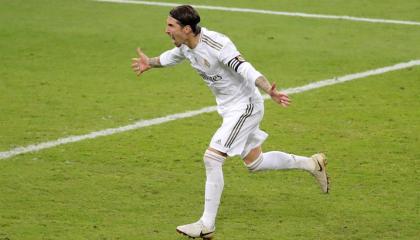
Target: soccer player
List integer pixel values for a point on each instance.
(235, 83)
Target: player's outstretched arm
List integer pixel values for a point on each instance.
(277, 96)
(143, 63)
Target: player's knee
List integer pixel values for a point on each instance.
(252, 155)
(211, 158)
(253, 166)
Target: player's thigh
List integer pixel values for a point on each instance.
(233, 136)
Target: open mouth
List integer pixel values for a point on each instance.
(174, 41)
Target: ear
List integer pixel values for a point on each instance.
(187, 29)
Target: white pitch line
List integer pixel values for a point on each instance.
(168, 118)
(248, 10)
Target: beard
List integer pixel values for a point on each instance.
(175, 42)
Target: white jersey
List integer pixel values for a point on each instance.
(218, 62)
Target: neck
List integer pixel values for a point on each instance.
(192, 41)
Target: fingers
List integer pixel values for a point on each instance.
(139, 52)
(137, 71)
(284, 97)
(285, 103)
(273, 87)
(281, 98)
(135, 65)
(135, 62)
(284, 100)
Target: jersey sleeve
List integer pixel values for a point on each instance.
(231, 57)
(228, 53)
(171, 57)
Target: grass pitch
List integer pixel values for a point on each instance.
(65, 70)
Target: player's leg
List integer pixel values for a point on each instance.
(230, 139)
(205, 227)
(213, 162)
(256, 160)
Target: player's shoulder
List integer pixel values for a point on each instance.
(182, 49)
(213, 39)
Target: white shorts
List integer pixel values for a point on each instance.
(240, 132)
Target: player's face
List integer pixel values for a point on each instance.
(175, 31)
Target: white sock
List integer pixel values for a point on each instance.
(279, 160)
(214, 187)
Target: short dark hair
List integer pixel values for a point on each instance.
(187, 15)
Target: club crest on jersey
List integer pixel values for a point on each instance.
(240, 58)
(206, 63)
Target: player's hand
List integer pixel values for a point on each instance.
(141, 63)
(279, 97)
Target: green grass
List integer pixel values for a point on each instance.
(66, 71)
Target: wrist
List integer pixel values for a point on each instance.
(154, 62)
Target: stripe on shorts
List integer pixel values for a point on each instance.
(238, 125)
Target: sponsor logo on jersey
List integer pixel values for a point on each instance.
(208, 78)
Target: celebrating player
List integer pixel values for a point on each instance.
(234, 83)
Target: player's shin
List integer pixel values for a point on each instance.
(276, 160)
(214, 187)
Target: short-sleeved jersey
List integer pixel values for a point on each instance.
(218, 62)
